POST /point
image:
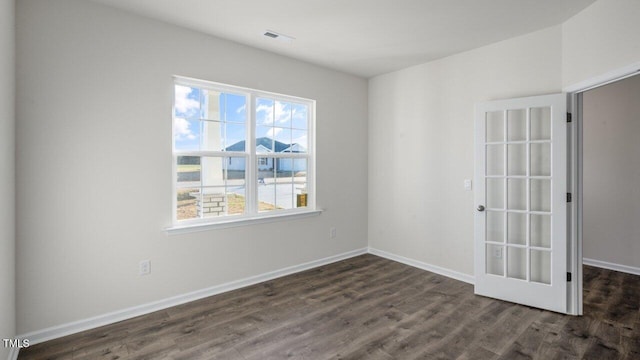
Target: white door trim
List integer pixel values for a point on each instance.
(574, 92)
(604, 79)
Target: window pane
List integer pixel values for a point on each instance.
(516, 125)
(541, 266)
(213, 202)
(187, 102)
(236, 200)
(221, 171)
(495, 193)
(264, 111)
(284, 195)
(495, 259)
(282, 137)
(299, 170)
(266, 184)
(186, 134)
(301, 194)
(495, 126)
(541, 123)
(284, 169)
(495, 226)
(235, 137)
(235, 108)
(540, 195)
(299, 141)
(300, 182)
(210, 105)
(284, 183)
(234, 170)
(188, 171)
(264, 139)
(299, 116)
(516, 159)
(516, 263)
(517, 228)
(282, 114)
(495, 160)
(516, 194)
(212, 136)
(541, 230)
(187, 200)
(541, 159)
(212, 171)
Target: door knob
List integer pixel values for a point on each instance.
(480, 207)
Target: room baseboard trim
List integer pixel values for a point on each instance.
(59, 331)
(13, 353)
(611, 266)
(424, 266)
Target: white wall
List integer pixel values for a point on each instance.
(7, 169)
(612, 173)
(599, 39)
(94, 162)
(421, 143)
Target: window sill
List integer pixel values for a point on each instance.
(184, 229)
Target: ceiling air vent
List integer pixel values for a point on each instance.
(277, 35)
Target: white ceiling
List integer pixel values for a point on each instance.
(361, 37)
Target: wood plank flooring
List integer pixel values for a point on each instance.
(368, 307)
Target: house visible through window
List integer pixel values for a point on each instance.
(240, 153)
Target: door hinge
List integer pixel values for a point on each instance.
(568, 277)
(568, 197)
(568, 117)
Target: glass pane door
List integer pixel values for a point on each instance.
(521, 217)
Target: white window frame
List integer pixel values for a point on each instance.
(251, 214)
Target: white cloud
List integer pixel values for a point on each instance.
(183, 103)
(182, 130)
(283, 112)
(273, 132)
(241, 109)
(264, 113)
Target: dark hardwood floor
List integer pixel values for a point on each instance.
(368, 307)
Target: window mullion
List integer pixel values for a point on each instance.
(251, 167)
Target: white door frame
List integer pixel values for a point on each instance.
(575, 141)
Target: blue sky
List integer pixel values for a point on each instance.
(274, 119)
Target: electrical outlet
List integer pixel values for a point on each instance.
(145, 267)
(497, 253)
(332, 233)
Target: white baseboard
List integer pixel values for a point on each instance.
(55, 332)
(611, 266)
(424, 266)
(59, 331)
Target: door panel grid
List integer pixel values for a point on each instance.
(520, 222)
(513, 157)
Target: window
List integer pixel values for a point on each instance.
(240, 153)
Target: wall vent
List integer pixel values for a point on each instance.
(276, 35)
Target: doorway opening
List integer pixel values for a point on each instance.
(605, 163)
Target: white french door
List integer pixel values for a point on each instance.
(521, 200)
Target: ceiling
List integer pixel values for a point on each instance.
(361, 37)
